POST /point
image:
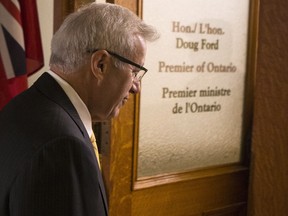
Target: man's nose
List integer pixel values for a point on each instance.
(136, 87)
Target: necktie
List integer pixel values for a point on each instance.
(94, 144)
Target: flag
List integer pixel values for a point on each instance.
(20, 46)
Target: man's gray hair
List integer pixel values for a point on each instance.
(97, 26)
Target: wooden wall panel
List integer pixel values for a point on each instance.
(269, 175)
(63, 8)
(216, 195)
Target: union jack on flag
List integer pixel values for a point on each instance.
(20, 46)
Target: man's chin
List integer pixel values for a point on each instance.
(108, 116)
(113, 114)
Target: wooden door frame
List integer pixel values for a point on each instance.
(63, 8)
(269, 163)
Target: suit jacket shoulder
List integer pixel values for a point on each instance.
(41, 127)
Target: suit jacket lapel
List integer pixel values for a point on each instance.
(51, 89)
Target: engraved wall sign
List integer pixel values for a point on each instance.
(191, 104)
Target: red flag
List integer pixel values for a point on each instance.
(20, 46)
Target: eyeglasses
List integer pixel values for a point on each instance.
(136, 75)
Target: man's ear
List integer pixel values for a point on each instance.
(99, 61)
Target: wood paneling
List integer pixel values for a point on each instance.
(269, 188)
(192, 197)
(63, 8)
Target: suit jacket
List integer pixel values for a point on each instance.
(47, 162)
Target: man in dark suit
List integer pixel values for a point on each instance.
(48, 165)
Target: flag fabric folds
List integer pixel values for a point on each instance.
(20, 46)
